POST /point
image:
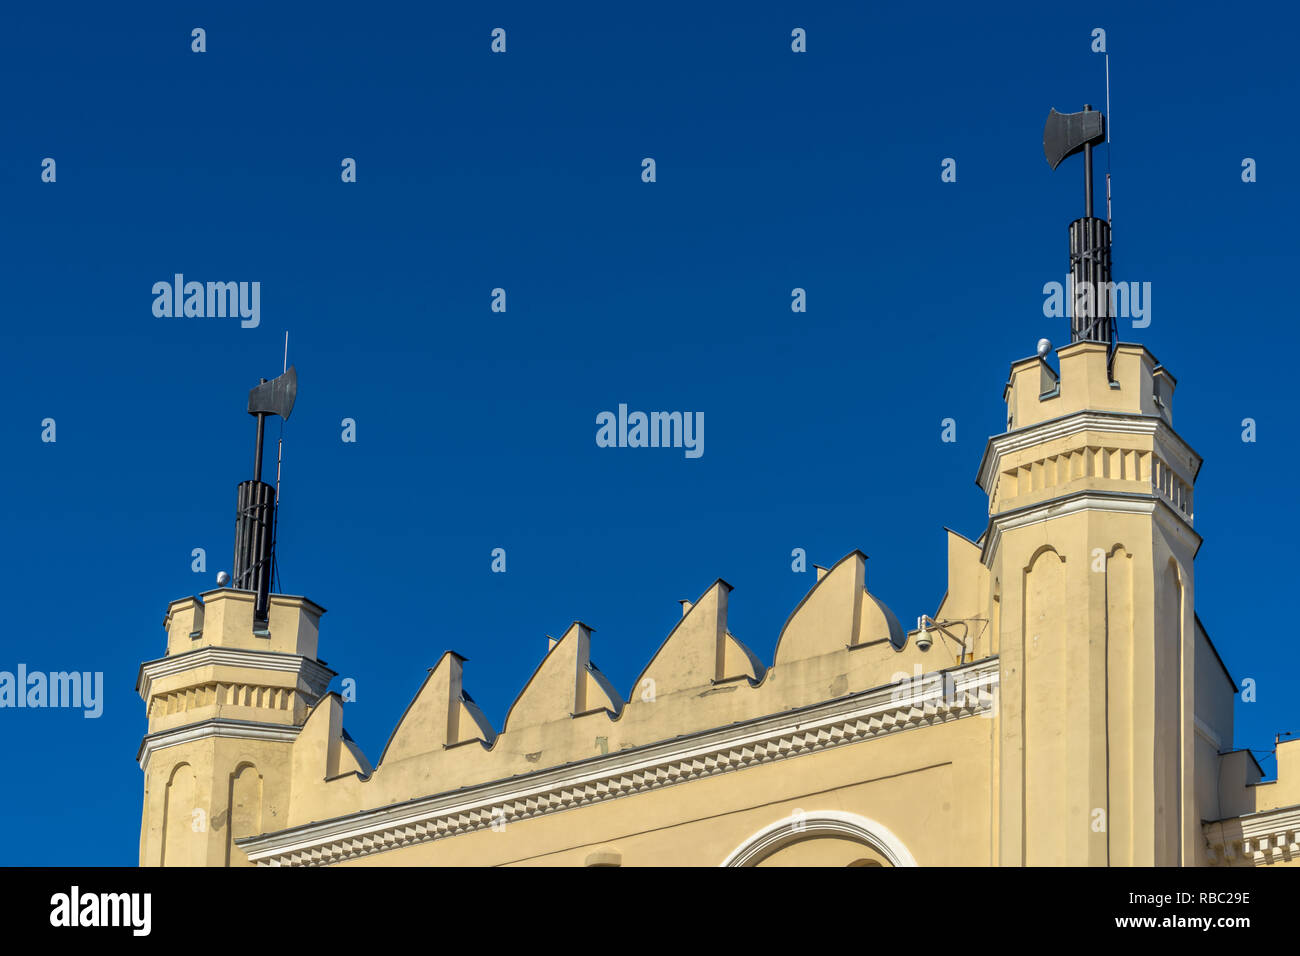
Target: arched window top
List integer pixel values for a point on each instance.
(823, 823)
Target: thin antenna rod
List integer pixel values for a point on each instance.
(1107, 99)
(279, 454)
(279, 458)
(1108, 222)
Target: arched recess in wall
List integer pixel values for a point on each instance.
(824, 825)
(1123, 737)
(1119, 601)
(245, 808)
(1170, 645)
(1044, 706)
(995, 618)
(179, 835)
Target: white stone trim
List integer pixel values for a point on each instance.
(1118, 502)
(218, 727)
(316, 674)
(836, 823)
(872, 713)
(1256, 839)
(1116, 422)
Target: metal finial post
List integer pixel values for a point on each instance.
(1064, 135)
(256, 510)
(1087, 173)
(261, 433)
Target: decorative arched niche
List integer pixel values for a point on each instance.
(842, 839)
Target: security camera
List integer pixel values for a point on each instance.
(923, 638)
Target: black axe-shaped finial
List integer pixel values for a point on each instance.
(274, 397)
(1068, 133)
(271, 398)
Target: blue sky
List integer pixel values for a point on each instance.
(475, 429)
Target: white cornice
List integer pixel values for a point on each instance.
(1256, 839)
(316, 675)
(1113, 501)
(963, 692)
(1116, 422)
(217, 727)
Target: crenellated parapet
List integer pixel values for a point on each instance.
(840, 641)
(1102, 425)
(215, 667)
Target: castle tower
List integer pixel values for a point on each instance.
(236, 684)
(225, 705)
(1090, 546)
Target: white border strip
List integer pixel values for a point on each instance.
(315, 673)
(872, 713)
(238, 729)
(820, 823)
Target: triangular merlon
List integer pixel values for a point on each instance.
(837, 612)
(700, 650)
(564, 684)
(441, 715)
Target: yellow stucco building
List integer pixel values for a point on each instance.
(1065, 705)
